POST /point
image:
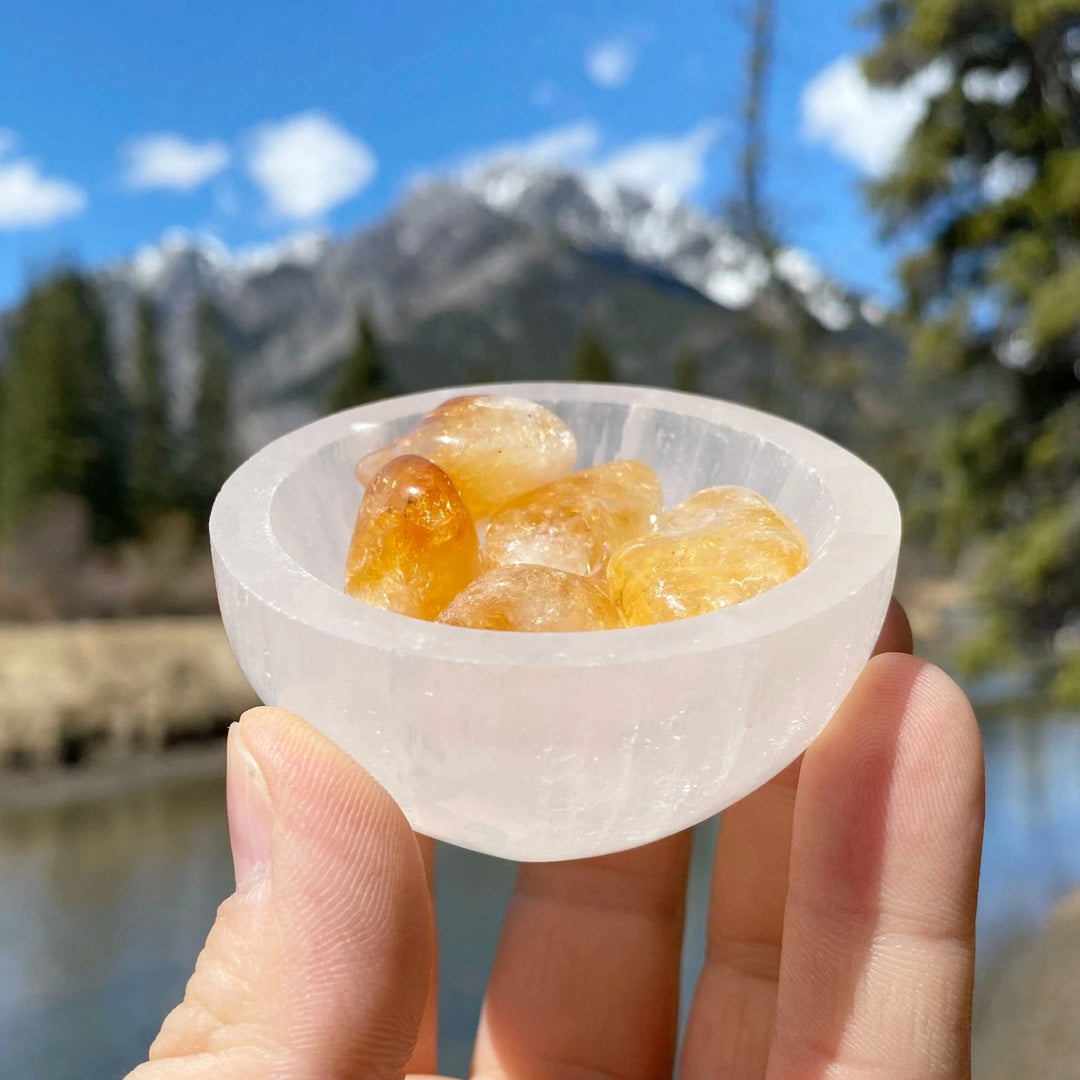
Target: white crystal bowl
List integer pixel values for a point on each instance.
(559, 746)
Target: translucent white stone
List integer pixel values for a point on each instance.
(558, 746)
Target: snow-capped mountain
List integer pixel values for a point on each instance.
(493, 275)
(204, 254)
(668, 234)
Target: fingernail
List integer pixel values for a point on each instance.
(250, 816)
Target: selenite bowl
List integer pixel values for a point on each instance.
(560, 746)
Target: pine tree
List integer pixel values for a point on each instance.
(592, 360)
(363, 377)
(152, 462)
(687, 370)
(211, 455)
(64, 429)
(989, 183)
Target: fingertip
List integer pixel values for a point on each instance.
(952, 725)
(934, 710)
(895, 633)
(901, 699)
(260, 715)
(276, 734)
(304, 768)
(336, 824)
(271, 736)
(900, 764)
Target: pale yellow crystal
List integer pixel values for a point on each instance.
(575, 523)
(719, 547)
(532, 598)
(414, 547)
(493, 448)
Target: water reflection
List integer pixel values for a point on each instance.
(1032, 849)
(102, 910)
(103, 907)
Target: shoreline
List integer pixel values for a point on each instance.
(60, 787)
(1025, 1017)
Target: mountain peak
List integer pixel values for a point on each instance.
(184, 255)
(671, 235)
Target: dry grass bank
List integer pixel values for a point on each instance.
(70, 691)
(105, 688)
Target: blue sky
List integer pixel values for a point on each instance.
(251, 122)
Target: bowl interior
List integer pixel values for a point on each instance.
(313, 509)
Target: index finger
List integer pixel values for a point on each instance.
(879, 927)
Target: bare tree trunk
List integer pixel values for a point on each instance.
(755, 219)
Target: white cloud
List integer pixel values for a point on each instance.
(307, 164)
(171, 162)
(28, 198)
(571, 145)
(666, 168)
(865, 124)
(611, 63)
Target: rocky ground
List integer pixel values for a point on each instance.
(1027, 1026)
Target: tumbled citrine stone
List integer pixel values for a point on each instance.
(719, 547)
(414, 547)
(493, 448)
(575, 523)
(715, 505)
(532, 598)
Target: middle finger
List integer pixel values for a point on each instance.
(586, 975)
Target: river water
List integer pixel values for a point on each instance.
(105, 903)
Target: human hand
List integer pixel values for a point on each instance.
(840, 928)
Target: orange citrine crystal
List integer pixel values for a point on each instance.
(562, 551)
(532, 598)
(575, 523)
(414, 547)
(719, 547)
(493, 448)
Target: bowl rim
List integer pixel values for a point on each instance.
(865, 542)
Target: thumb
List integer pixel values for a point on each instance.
(318, 964)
